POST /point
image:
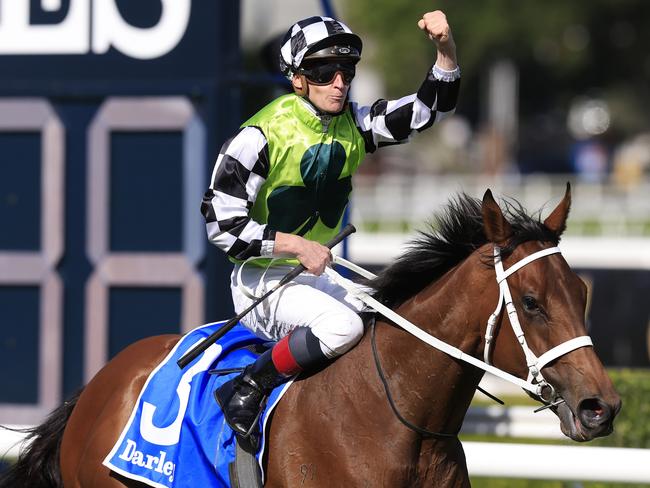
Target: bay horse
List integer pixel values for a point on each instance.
(337, 427)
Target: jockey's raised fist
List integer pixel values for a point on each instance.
(435, 25)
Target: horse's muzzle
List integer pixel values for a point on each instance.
(597, 416)
(593, 418)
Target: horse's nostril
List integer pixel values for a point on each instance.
(593, 412)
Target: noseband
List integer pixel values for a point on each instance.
(535, 364)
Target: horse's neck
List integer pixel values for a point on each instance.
(433, 387)
(430, 390)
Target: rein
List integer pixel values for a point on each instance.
(419, 430)
(536, 384)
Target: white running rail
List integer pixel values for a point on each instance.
(553, 462)
(10, 442)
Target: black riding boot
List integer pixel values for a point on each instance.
(242, 398)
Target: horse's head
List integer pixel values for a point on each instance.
(550, 302)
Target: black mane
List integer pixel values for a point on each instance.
(452, 236)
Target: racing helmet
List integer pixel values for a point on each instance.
(317, 38)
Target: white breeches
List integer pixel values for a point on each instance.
(310, 301)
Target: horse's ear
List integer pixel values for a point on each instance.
(556, 221)
(497, 229)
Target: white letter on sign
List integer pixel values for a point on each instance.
(110, 29)
(18, 36)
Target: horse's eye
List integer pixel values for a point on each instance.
(530, 304)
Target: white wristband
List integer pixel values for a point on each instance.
(267, 248)
(445, 75)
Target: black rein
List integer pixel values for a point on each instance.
(427, 434)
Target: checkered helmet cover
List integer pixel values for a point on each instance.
(307, 34)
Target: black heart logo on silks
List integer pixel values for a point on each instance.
(298, 208)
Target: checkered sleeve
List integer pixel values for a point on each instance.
(389, 122)
(240, 170)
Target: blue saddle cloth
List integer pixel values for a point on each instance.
(176, 435)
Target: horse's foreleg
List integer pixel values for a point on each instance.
(442, 463)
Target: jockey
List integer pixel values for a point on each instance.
(279, 189)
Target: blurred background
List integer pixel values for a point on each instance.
(112, 113)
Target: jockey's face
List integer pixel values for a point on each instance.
(329, 96)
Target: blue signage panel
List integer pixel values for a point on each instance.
(111, 114)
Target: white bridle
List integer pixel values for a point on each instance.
(534, 363)
(535, 382)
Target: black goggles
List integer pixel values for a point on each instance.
(324, 74)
